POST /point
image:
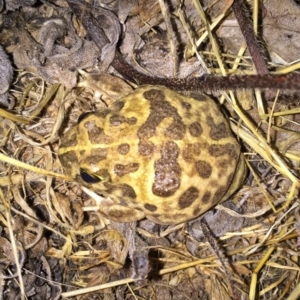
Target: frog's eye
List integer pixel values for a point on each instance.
(83, 116)
(89, 178)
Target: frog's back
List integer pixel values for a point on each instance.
(168, 156)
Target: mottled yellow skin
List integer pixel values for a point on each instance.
(156, 154)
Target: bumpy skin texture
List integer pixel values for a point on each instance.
(156, 154)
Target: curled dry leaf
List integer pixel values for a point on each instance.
(6, 251)
(70, 209)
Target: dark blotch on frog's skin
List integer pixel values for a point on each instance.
(127, 191)
(218, 150)
(121, 170)
(206, 198)
(96, 134)
(167, 178)
(117, 120)
(190, 151)
(117, 106)
(217, 131)
(175, 131)
(159, 110)
(96, 156)
(203, 168)
(170, 151)
(197, 212)
(186, 106)
(154, 95)
(167, 171)
(69, 158)
(195, 129)
(188, 197)
(131, 121)
(220, 193)
(187, 153)
(116, 214)
(146, 148)
(150, 207)
(197, 149)
(124, 148)
(101, 114)
(69, 141)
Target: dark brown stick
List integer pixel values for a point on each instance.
(211, 82)
(253, 44)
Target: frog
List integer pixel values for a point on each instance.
(155, 154)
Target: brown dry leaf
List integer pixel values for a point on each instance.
(282, 23)
(6, 251)
(55, 253)
(98, 275)
(116, 244)
(62, 206)
(90, 258)
(40, 247)
(77, 213)
(70, 209)
(146, 10)
(28, 232)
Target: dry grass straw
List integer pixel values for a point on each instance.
(265, 253)
(249, 135)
